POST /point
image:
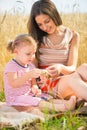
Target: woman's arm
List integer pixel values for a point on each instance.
(56, 69)
(73, 55)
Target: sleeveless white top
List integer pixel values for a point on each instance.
(58, 53)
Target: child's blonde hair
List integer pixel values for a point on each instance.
(20, 40)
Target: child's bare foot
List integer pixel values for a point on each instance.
(66, 105)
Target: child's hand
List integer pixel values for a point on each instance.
(36, 91)
(35, 73)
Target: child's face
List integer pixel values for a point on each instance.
(25, 54)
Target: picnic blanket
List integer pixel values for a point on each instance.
(11, 118)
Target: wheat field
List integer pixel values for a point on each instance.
(11, 25)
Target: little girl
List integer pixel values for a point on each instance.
(20, 79)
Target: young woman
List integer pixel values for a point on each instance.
(57, 50)
(21, 90)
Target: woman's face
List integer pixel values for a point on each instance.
(45, 23)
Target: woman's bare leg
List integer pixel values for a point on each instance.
(78, 86)
(73, 85)
(82, 71)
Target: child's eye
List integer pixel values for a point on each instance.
(30, 53)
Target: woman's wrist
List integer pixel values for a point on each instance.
(60, 68)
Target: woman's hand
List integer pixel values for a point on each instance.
(54, 70)
(45, 74)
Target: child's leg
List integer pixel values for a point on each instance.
(59, 101)
(37, 111)
(69, 104)
(63, 106)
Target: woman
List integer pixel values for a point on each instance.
(57, 49)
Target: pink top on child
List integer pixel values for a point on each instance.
(21, 96)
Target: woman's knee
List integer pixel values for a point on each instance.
(81, 70)
(72, 79)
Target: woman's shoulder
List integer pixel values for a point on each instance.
(76, 38)
(65, 28)
(75, 34)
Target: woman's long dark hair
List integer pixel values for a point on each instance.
(42, 7)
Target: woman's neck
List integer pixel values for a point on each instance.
(57, 36)
(58, 30)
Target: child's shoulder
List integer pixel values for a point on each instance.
(10, 63)
(10, 66)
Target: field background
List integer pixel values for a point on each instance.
(11, 25)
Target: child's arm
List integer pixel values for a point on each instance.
(16, 81)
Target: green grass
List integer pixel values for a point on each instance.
(66, 122)
(2, 96)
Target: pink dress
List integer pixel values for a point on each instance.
(21, 96)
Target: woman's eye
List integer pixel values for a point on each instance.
(48, 20)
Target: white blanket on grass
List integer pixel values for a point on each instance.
(9, 116)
